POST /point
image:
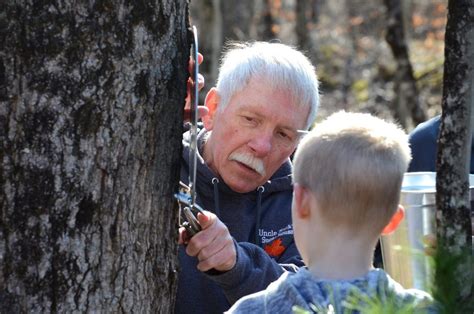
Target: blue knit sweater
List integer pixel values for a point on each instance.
(306, 292)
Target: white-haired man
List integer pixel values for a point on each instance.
(266, 93)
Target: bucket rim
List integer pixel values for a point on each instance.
(429, 182)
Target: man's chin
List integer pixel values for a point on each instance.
(243, 187)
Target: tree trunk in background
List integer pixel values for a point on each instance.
(91, 98)
(315, 10)
(454, 142)
(306, 18)
(349, 68)
(303, 15)
(264, 20)
(406, 104)
(206, 15)
(237, 19)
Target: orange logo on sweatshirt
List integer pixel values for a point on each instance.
(275, 248)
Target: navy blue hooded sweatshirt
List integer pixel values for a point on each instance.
(259, 222)
(423, 143)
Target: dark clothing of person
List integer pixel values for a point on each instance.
(259, 222)
(423, 143)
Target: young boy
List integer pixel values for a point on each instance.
(347, 178)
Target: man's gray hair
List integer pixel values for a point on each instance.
(277, 64)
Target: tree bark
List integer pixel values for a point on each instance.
(91, 98)
(454, 142)
(407, 106)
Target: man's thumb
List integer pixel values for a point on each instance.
(205, 219)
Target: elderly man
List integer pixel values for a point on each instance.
(266, 94)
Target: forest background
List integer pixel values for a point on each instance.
(359, 70)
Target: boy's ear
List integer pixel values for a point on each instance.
(212, 101)
(395, 221)
(301, 201)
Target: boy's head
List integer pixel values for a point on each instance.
(353, 165)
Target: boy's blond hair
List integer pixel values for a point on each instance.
(354, 164)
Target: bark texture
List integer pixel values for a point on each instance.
(407, 107)
(91, 98)
(453, 216)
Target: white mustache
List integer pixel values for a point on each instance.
(250, 161)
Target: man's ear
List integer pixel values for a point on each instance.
(395, 221)
(212, 101)
(301, 201)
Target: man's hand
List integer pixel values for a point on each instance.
(202, 110)
(213, 245)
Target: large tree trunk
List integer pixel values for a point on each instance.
(91, 97)
(407, 106)
(454, 143)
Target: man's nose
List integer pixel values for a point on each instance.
(261, 144)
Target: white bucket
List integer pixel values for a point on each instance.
(403, 250)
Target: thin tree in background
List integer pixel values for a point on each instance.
(306, 18)
(303, 17)
(350, 71)
(206, 16)
(265, 22)
(454, 282)
(91, 98)
(315, 10)
(237, 19)
(406, 104)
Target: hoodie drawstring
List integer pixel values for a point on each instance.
(215, 182)
(260, 190)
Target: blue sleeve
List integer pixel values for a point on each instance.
(254, 303)
(255, 270)
(423, 144)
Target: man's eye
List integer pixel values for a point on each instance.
(283, 135)
(248, 120)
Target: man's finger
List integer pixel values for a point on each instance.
(191, 62)
(202, 112)
(223, 260)
(183, 236)
(218, 244)
(200, 81)
(206, 219)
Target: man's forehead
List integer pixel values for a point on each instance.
(266, 99)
